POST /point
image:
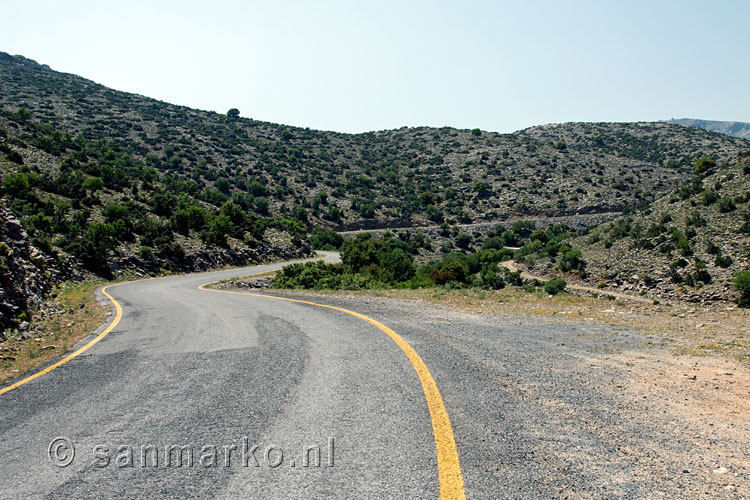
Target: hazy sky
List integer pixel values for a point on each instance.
(359, 66)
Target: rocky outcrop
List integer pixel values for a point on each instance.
(24, 276)
(208, 258)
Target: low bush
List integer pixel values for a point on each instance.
(742, 284)
(555, 286)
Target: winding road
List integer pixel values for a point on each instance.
(203, 393)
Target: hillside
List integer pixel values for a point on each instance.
(409, 176)
(735, 129)
(686, 246)
(72, 208)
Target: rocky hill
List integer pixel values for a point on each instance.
(409, 176)
(735, 129)
(686, 246)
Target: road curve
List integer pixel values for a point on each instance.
(273, 399)
(281, 399)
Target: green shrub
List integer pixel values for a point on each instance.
(449, 272)
(491, 277)
(702, 275)
(704, 165)
(493, 242)
(695, 219)
(528, 249)
(114, 212)
(383, 260)
(511, 239)
(726, 205)
(145, 253)
(572, 260)
(742, 284)
(17, 184)
(218, 229)
(524, 228)
(316, 275)
(710, 196)
(555, 286)
(463, 240)
(723, 260)
(434, 214)
(324, 239)
(192, 217)
(481, 188)
(93, 184)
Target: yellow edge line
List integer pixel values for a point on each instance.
(449, 469)
(111, 326)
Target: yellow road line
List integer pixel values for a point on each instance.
(118, 316)
(111, 326)
(449, 469)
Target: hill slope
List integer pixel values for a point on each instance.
(399, 177)
(686, 246)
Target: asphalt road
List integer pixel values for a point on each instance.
(255, 388)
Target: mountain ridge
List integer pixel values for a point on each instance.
(731, 128)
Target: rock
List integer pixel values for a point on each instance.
(25, 280)
(721, 470)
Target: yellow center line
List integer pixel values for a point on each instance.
(112, 325)
(449, 469)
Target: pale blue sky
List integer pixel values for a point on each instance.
(360, 66)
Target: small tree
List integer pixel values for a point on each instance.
(463, 240)
(17, 185)
(93, 184)
(450, 271)
(704, 165)
(572, 260)
(218, 230)
(742, 284)
(481, 188)
(233, 114)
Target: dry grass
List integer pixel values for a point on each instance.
(80, 314)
